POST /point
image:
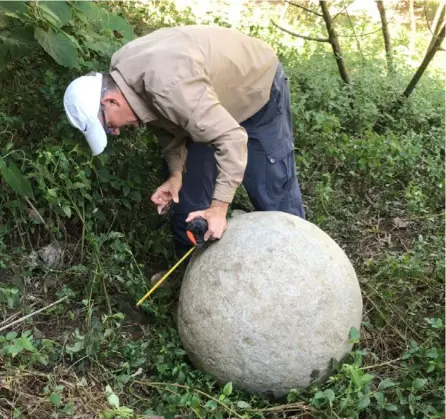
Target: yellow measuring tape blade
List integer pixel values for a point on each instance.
(164, 277)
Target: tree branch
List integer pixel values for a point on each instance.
(439, 17)
(333, 39)
(354, 33)
(22, 319)
(432, 49)
(304, 8)
(425, 16)
(309, 38)
(438, 20)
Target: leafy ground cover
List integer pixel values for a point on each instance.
(80, 231)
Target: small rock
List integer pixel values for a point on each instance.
(50, 256)
(400, 223)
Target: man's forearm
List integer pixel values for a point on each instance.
(220, 204)
(176, 174)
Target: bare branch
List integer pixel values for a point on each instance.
(22, 319)
(436, 24)
(354, 34)
(342, 11)
(309, 38)
(395, 11)
(427, 20)
(438, 18)
(432, 49)
(360, 35)
(304, 8)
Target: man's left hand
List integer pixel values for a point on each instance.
(216, 218)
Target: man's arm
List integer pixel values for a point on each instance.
(193, 105)
(173, 149)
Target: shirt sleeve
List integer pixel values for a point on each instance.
(173, 149)
(192, 103)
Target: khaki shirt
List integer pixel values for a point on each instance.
(198, 82)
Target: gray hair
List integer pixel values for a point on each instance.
(108, 84)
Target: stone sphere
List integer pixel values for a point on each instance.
(269, 305)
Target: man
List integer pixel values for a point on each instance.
(219, 103)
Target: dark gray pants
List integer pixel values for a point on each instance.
(270, 176)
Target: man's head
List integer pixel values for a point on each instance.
(95, 105)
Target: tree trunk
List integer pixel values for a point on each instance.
(413, 29)
(386, 36)
(436, 24)
(284, 10)
(438, 39)
(333, 38)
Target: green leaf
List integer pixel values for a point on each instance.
(419, 383)
(4, 58)
(15, 349)
(211, 404)
(227, 389)
(432, 353)
(89, 9)
(366, 378)
(18, 40)
(67, 210)
(319, 395)
(135, 195)
(99, 215)
(17, 7)
(68, 408)
(104, 175)
(363, 402)
(386, 383)
(55, 399)
(23, 34)
(57, 12)
(117, 23)
(243, 405)
(329, 395)
(5, 21)
(379, 397)
(16, 180)
(391, 408)
(195, 402)
(113, 400)
(11, 335)
(58, 46)
(354, 335)
(355, 374)
(78, 346)
(27, 344)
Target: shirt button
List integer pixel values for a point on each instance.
(272, 160)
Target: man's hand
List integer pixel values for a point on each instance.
(168, 192)
(216, 218)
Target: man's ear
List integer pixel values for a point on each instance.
(111, 100)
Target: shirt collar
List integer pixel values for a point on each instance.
(136, 103)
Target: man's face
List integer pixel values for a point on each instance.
(115, 114)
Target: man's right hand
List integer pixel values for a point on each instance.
(168, 192)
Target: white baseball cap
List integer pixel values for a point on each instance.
(82, 104)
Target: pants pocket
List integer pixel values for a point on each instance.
(279, 175)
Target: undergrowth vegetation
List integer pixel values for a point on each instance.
(80, 231)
